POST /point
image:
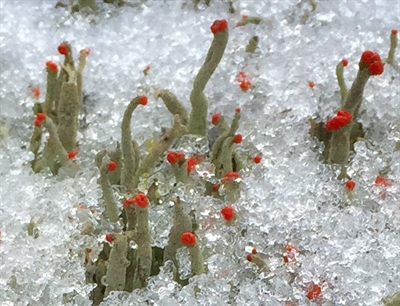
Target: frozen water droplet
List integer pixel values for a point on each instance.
(133, 245)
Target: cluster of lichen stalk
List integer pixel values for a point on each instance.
(120, 267)
(61, 107)
(340, 142)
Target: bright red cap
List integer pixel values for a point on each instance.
(350, 185)
(382, 181)
(72, 154)
(215, 118)
(257, 158)
(191, 163)
(143, 100)
(228, 212)
(376, 68)
(62, 49)
(219, 26)
(52, 66)
(314, 292)
(366, 56)
(141, 200)
(238, 138)
(245, 85)
(188, 239)
(40, 116)
(111, 165)
(109, 238)
(175, 157)
(230, 176)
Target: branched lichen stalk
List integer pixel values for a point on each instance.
(198, 115)
(149, 162)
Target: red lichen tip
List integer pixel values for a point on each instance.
(37, 122)
(254, 251)
(238, 110)
(40, 116)
(382, 181)
(35, 92)
(109, 238)
(62, 49)
(350, 185)
(345, 62)
(341, 119)
(219, 26)
(314, 292)
(376, 68)
(215, 118)
(311, 84)
(366, 56)
(86, 51)
(128, 202)
(228, 212)
(143, 100)
(249, 257)
(192, 162)
(215, 187)
(72, 154)
(394, 32)
(188, 239)
(257, 159)
(175, 157)
(238, 138)
(111, 166)
(141, 200)
(245, 85)
(52, 66)
(230, 176)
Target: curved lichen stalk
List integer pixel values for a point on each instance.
(198, 115)
(173, 105)
(130, 157)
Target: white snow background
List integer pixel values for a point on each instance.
(351, 248)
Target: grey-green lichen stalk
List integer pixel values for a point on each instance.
(198, 116)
